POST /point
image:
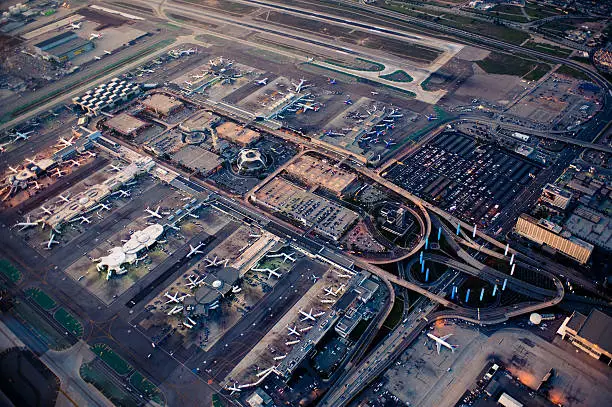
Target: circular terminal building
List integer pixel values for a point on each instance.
(250, 160)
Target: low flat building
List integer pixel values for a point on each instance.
(237, 134)
(315, 172)
(547, 233)
(162, 105)
(198, 159)
(63, 47)
(555, 196)
(591, 226)
(591, 334)
(125, 124)
(260, 398)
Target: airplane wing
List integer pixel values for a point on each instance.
(445, 337)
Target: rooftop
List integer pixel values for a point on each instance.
(125, 124)
(314, 171)
(597, 329)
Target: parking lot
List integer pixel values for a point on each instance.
(474, 182)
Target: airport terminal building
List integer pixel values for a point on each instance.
(591, 334)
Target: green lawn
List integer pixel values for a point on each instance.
(395, 316)
(365, 65)
(101, 382)
(574, 73)
(41, 298)
(112, 359)
(502, 64)
(10, 271)
(548, 48)
(68, 321)
(538, 72)
(398, 76)
(146, 387)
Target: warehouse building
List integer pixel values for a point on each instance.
(162, 105)
(592, 334)
(555, 196)
(315, 172)
(63, 47)
(550, 234)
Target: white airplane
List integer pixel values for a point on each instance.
(22, 136)
(175, 310)
(236, 289)
(49, 243)
(45, 210)
(115, 167)
(97, 58)
(344, 275)
(269, 271)
(319, 314)
(197, 76)
(91, 154)
(75, 26)
(293, 331)
(121, 193)
(65, 198)
(191, 321)
(188, 83)
(28, 223)
(442, 342)
(65, 143)
(58, 173)
(262, 82)
(213, 262)
(3, 146)
(187, 325)
(307, 315)
(329, 291)
(107, 52)
(281, 357)
(327, 301)
(193, 283)
(74, 163)
(13, 170)
(289, 343)
(172, 298)
(153, 213)
(306, 329)
(285, 256)
(233, 388)
(94, 36)
(104, 206)
(83, 219)
(300, 86)
(195, 250)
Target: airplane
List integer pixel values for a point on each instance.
(300, 86)
(331, 81)
(195, 250)
(273, 273)
(293, 331)
(281, 357)
(22, 136)
(172, 298)
(191, 321)
(348, 101)
(64, 198)
(107, 52)
(13, 170)
(94, 36)
(233, 389)
(83, 219)
(97, 58)
(307, 315)
(213, 262)
(175, 310)
(389, 143)
(26, 224)
(45, 210)
(308, 106)
(331, 133)
(115, 167)
(153, 213)
(329, 291)
(104, 206)
(3, 146)
(285, 256)
(253, 235)
(315, 278)
(262, 82)
(49, 243)
(193, 283)
(374, 93)
(193, 76)
(89, 153)
(74, 163)
(188, 83)
(327, 301)
(188, 325)
(289, 343)
(236, 289)
(121, 193)
(75, 26)
(318, 314)
(306, 329)
(442, 342)
(58, 173)
(431, 117)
